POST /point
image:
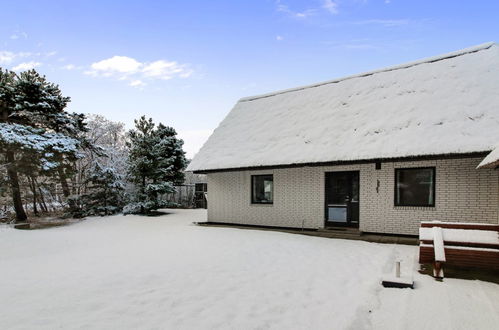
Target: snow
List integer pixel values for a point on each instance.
(462, 235)
(492, 159)
(474, 249)
(164, 272)
(438, 244)
(436, 222)
(27, 137)
(450, 100)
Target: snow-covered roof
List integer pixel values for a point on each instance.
(492, 159)
(440, 105)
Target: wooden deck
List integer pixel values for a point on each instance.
(330, 232)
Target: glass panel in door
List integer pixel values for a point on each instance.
(342, 198)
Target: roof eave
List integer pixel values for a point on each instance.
(347, 162)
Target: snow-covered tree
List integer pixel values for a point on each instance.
(104, 194)
(110, 137)
(102, 170)
(171, 156)
(7, 103)
(40, 104)
(156, 163)
(37, 137)
(109, 148)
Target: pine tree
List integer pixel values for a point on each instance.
(36, 135)
(7, 103)
(172, 161)
(105, 192)
(156, 163)
(40, 104)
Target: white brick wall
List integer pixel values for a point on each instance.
(463, 193)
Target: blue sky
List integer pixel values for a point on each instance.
(185, 63)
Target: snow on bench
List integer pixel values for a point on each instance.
(459, 244)
(460, 225)
(438, 251)
(438, 244)
(467, 237)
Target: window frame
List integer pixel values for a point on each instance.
(253, 178)
(433, 168)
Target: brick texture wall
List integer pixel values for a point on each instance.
(463, 194)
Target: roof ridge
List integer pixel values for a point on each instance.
(406, 65)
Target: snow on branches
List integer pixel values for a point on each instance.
(38, 141)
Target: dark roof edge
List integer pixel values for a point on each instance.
(348, 162)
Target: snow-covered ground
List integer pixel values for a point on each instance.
(166, 273)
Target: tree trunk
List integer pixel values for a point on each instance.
(74, 190)
(42, 200)
(16, 191)
(33, 191)
(65, 190)
(64, 183)
(142, 211)
(105, 202)
(54, 197)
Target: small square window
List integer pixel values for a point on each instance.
(262, 189)
(415, 186)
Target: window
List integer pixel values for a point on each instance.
(415, 186)
(201, 187)
(262, 189)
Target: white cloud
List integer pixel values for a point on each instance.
(186, 73)
(279, 38)
(137, 83)
(114, 65)
(19, 35)
(7, 57)
(23, 60)
(330, 6)
(129, 69)
(194, 140)
(69, 67)
(383, 22)
(163, 69)
(296, 14)
(357, 46)
(26, 66)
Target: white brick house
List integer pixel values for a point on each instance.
(381, 151)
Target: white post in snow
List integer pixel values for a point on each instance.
(397, 269)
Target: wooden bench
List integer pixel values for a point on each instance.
(460, 225)
(459, 244)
